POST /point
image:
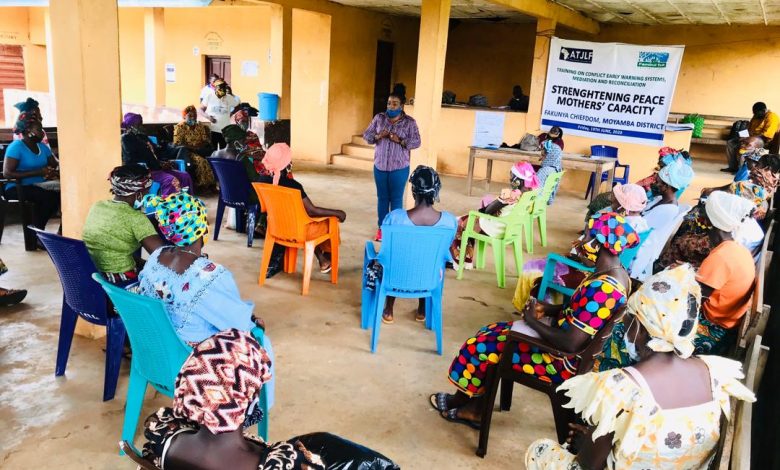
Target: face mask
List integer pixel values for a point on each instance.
(220, 92)
(591, 250)
(191, 122)
(631, 345)
(243, 125)
(35, 138)
(393, 113)
(138, 204)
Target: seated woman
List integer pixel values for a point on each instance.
(10, 297)
(195, 137)
(628, 200)
(555, 134)
(570, 327)
(522, 178)
(760, 168)
(32, 162)
(216, 399)
(138, 150)
(115, 228)
(200, 296)
(664, 411)
(551, 163)
(278, 164)
(751, 149)
(426, 185)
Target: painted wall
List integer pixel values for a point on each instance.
(489, 59)
(14, 26)
(131, 55)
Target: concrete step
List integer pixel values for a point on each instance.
(364, 151)
(359, 140)
(352, 161)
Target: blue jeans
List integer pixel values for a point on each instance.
(389, 191)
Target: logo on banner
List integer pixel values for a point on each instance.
(582, 56)
(653, 59)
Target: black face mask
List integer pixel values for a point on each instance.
(35, 138)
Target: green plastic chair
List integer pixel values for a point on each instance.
(158, 353)
(516, 222)
(539, 211)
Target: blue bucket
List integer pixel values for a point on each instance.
(268, 106)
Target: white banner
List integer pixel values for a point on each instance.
(610, 91)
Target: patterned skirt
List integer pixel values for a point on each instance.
(484, 350)
(202, 172)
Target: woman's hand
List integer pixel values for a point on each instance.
(50, 173)
(533, 309)
(341, 215)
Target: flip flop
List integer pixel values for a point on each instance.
(452, 416)
(386, 321)
(418, 317)
(438, 401)
(327, 269)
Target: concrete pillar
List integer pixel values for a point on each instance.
(431, 55)
(49, 58)
(85, 49)
(545, 29)
(154, 56)
(280, 56)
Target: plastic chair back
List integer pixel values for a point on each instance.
(520, 216)
(546, 192)
(234, 185)
(75, 266)
(413, 257)
(287, 218)
(603, 151)
(158, 353)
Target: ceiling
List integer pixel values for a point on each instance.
(650, 12)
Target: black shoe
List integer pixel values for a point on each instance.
(12, 297)
(273, 270)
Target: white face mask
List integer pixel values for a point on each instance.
(138, 204)
(631, 345)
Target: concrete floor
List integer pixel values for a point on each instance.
(327, 378)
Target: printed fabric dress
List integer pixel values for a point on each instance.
(593, 303)
(647, 437)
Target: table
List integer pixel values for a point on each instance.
(569, 161)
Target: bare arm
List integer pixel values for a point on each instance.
(592, 455)
(315, 211)
(570, 341)
(11, 164)
(151, 243)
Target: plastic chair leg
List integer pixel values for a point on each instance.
(379, 305)
(543, 227)
(529, 235)
(367, 307)
(67, 327)
(591, 184)
(136, 391)
(334, 259)
(498, 254)
(462, 258)
(429, 312)
(481, 260)
(251, 217)
(307, 267)
(220, 213)
(290, 260)
(268, 248)
(549, 272)
(437, 320)
(115, 342)
(517, 248)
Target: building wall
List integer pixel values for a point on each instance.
(14, 26)
(132, 68)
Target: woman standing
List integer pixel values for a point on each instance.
(551, 163)
(395, 135)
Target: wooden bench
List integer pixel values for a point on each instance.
(716, 128)
(755, 320)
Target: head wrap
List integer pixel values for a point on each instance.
(181, 217)
(219, 384)
(755, 154)
(525, 172)
(613, 232)
(553, 155)
(425, 182)
(189, 109)
(131, 120)
(22, 123)
(631, 197)
(126, 185)
(676, 174)
(232, 133)
(27, 105)
(727, 211)
(276, 159)
(750, 191)
(667, 305)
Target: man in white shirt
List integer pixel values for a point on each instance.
(208, 89)
(217, 107)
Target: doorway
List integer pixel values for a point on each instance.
(219, 64)
(383, 75)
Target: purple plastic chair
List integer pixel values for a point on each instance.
(608, 152)
(234, 191)
(83, 297)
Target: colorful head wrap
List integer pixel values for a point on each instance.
(425, 182)
(755, 154)
(129, 180)
(552, 154)
(631, 197)
(132, 120)
(612, 231)
(219, 384)
(727, 211)
(525, 172)
(667, 305)
(22, 122)
(27, 105)
(181, 217)
(750, 191)
(276, 159)
(676, 174)
(189, 109)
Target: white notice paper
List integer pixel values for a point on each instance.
(488, 129)
(249, 68)
(170, 73)
(744, 133)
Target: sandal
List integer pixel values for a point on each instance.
(419, 316)
(10, 297)
(388, 319)
(452, 416)
(439, 401)
(326, 269)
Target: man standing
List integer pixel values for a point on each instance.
(764, 125)
(218, 107)
(209, 87)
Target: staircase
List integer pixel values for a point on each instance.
(357, 154)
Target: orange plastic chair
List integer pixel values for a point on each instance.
(287, 226)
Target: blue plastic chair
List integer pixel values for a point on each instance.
(158, 353)
(626, 258)
(609, 152)
(234, 191)
(413, 261)
(83, 298)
